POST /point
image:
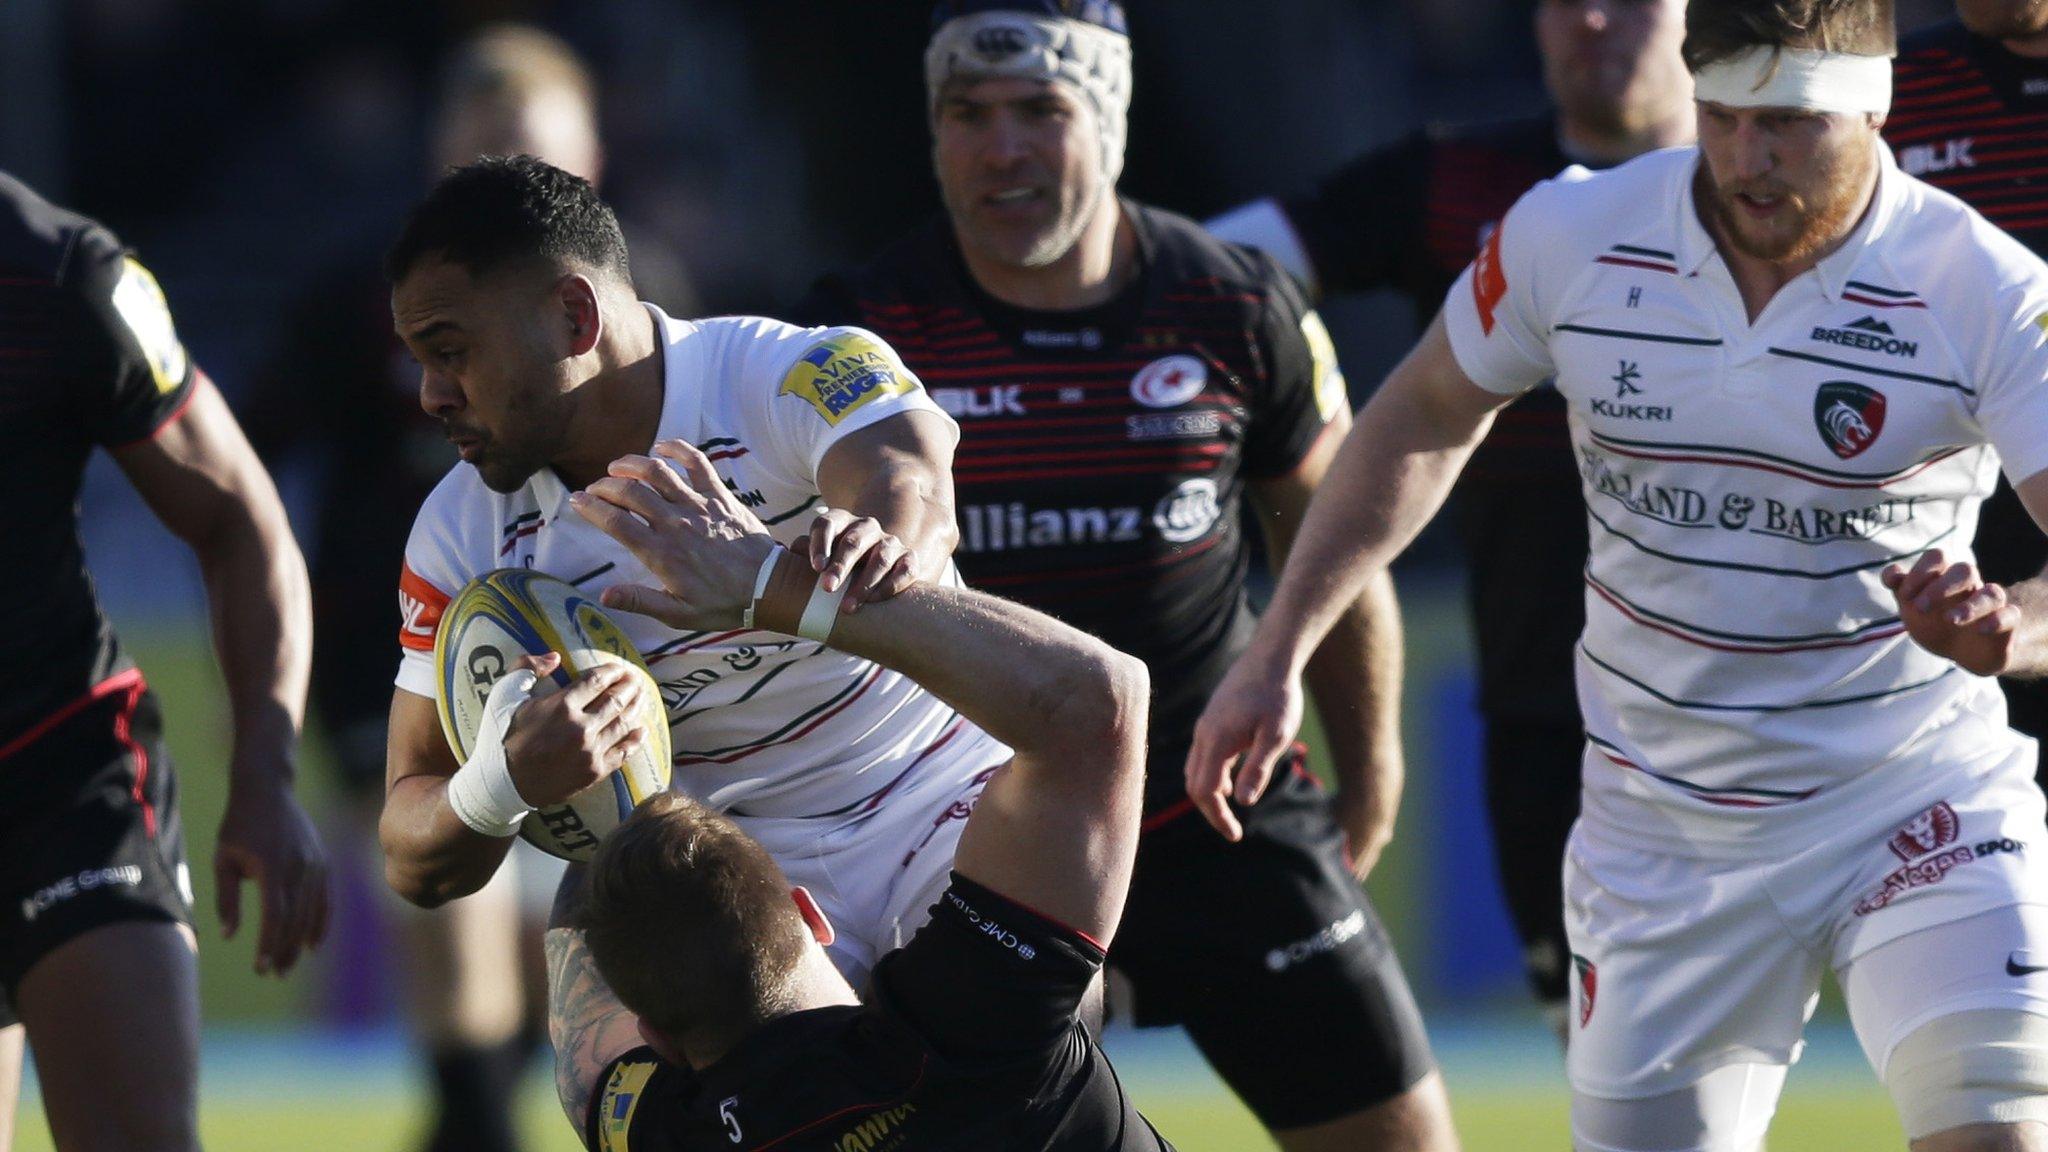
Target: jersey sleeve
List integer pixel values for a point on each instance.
(2012, 379)
(1303, 390)
(987, 980)
(1358, 226)
(840, 381)
(139, 373)
(434, 570)
(1496, 314)
(636, 1107)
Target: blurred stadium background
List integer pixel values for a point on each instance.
(247, 147)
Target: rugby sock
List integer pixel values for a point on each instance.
(475, 1101)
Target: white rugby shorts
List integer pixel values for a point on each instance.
(877, 871)
(1682, 965)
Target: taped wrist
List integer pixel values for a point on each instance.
(481, 793)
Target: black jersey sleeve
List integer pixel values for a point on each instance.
(1302, 388)
(135, 372)
(987, 978)
(1359, 224)
(637, 1106)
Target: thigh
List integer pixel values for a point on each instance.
(89, 815)
(1994, 960)
(1680, 966)
(1726, 1109)
(1268, 952)
(1532, 798)
(113, 1016)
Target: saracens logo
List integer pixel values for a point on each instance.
(1169, 381)
(1931, 830)
(1849, 416)
(1589, 986)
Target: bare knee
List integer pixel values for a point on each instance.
(1418, 1120)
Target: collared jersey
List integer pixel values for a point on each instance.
(970, 1039)
(89, 358)
(1745, 483)
(760, 723)
(1104, 452)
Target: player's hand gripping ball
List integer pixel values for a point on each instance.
(512, 612)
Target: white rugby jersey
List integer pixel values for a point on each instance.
(1745, 483)
(761, 723)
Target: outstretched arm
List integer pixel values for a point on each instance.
(1409, 444)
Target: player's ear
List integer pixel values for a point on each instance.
(578, 299)
(814, 916)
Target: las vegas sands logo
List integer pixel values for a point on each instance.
(1849, 416)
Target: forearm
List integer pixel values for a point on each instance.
(1391, 476)
(430, 855)
(1354, 678)
(587, 1025)
(261, 609)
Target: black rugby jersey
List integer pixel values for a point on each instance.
(1971, 118)
(1104, 452)
(88, 358)
(971, 1041)
(1410, 218)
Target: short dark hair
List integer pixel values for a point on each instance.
(1718, 29)
(504, 209)
(691, 922)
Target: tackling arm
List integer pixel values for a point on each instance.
(200, 477)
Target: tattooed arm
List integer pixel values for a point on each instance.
(588, 1025)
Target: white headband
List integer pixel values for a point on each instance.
(1089, 58)
(1802, 78)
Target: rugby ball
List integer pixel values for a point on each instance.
(510, 612)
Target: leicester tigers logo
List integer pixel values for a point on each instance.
(1935, 828)
(1589, 986)
(1849, 416)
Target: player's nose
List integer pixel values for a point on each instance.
(439, 394)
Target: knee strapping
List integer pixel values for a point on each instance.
(1985, 1066)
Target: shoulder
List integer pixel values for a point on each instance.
(1966, 269)
(453, 534)
(41, 240)
(1190, 265)
(1564, 223)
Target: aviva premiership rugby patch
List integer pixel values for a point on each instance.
(844, 372)
(141, 305)
(1331, 391)
(621, 1097)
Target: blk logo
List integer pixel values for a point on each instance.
(1625, 380)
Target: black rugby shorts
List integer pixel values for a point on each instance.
(1532, 798)
(89, 818)
(1270, 955)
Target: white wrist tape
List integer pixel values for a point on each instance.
(481, 792)
(1767, 77)
(820, 613)
(761, 585)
